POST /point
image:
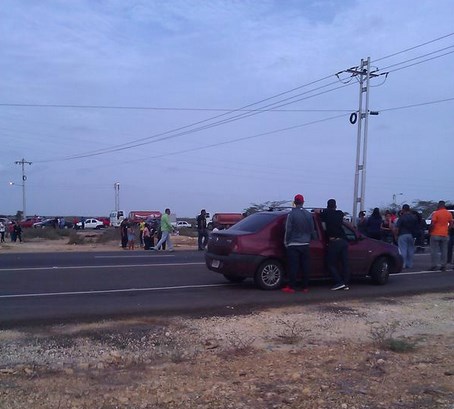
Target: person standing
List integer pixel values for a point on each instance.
(166, 229)
(299, 230)
(337, 246)
(131, 236)
(374, 222)
(2, 232)
(439, 227)
(407, 227)
(141, 228)
(124, 233)
(451, 243)
(146, 236)
(361, 222)
(202, 231)
(18, 232)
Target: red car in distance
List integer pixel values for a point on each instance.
(30, 221)
(254, 248)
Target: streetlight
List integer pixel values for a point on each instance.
(23, 196)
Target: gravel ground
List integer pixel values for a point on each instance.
(388, 353)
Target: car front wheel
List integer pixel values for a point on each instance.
(269, 275)
(379, 271)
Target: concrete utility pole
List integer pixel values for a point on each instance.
(117, 196)
(24, 178)
(363, 75)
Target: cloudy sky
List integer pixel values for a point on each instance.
(219, 104)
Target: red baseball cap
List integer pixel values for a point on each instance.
(299, 199)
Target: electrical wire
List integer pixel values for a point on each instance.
(421, 56)
(417, 105)
(414, 47)
(145, 141)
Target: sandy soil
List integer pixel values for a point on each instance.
(42, 245)
(386, 353)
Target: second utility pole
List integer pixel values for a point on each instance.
(363, 73)
(24, 178)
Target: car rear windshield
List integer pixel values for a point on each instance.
(254, 222)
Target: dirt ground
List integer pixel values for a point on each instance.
(386, 353)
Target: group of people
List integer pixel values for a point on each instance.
(402, 229)
(406, 230)
(300, 230)
(15, 232)
(148, 230)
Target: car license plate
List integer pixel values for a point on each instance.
(215, 264)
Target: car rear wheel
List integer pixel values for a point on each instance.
(269, 275)
(379, 271)
(234, 279)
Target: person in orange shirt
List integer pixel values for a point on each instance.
(441, 222)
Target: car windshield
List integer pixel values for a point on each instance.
(254, 222)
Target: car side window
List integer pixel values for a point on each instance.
(349, 233)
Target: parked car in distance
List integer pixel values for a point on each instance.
(254, 248)
(90, 224)
(52, 222)
(30, 221)
(181, 224)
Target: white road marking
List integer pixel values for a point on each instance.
(123, 290)
(106, 266)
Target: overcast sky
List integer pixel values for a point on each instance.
(145, 92)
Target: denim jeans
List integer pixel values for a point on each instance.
(298, 260)
(165, 238)
(406, 244)
(439, 250)
(337, 252)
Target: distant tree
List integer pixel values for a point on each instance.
(19, 215)
(259, 207)
(425, 207)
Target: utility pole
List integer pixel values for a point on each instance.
(117, 196)
(363, 74)
(24, 178)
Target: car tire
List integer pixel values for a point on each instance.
(234, 279)
(379, 271)
(269, 275)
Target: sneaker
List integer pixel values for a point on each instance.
(170, 250)
(288, 289)
(338, 287)
(443, 268)
(346, 288)
(433, 268)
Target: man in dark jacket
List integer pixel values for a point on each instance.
(299, 230)
(337, 247)
(202, 231)
(407, 227)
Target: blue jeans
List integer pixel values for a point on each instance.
(298, 259)
(165, 238)
(439, 250)
(406, 244)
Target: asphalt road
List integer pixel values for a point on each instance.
(57, 287)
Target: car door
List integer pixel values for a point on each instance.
(358, 252)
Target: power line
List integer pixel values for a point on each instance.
(144, 108)
(421, 56)
(414, 47)
(162, 137)
(417, 105)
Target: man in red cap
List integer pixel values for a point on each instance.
(299, 230)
